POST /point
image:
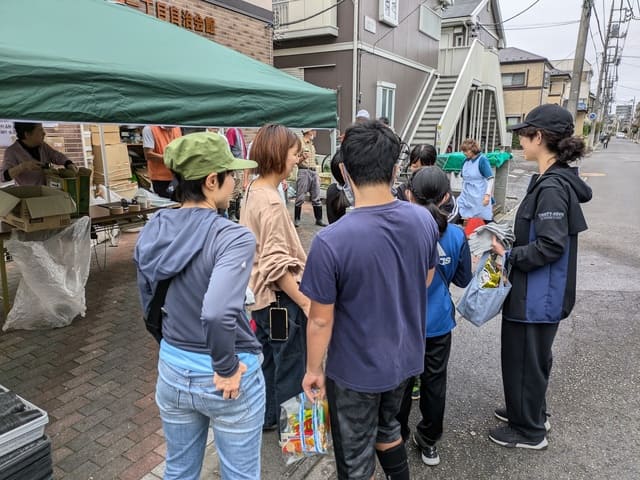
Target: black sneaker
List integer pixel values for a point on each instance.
(429, 453)
(508, 437)
(501, 414)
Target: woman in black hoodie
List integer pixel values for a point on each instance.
(543, 273)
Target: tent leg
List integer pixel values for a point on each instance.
(103, 151)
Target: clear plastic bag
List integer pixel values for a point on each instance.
(54, 266)
(304, 428)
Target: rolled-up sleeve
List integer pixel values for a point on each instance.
(276, 259)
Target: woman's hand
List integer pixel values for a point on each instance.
(486, 199)
(497, 246)
(230, 386)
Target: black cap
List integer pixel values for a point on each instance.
(549, 117)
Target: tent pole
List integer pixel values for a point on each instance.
(103, 152)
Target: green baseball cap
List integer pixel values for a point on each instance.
(197, 155)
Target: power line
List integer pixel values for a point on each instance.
(401, 20)
(539, 27)
(311, 16)
(595, 11)
(629, 88)
(510, 18)
(520, 13)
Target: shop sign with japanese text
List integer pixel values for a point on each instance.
(178, 16)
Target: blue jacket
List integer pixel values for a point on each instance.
(544, 256)
(454, 266)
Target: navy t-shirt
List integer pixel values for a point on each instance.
(372, 264)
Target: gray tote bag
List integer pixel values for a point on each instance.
(479, 304)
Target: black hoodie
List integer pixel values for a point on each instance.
(544, 256)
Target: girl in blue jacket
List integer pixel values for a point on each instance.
(430, 188)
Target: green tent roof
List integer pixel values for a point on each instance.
(97, 61)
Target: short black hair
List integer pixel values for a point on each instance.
(22, 128)
(335, 168)
(370, 152)
(425, 154)
(384, 120)
(191, 190)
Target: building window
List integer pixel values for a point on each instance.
(547, 80)
(389, 12)
(458, 40)
(512, 120)
(386, 101)
(513, 79)
(430, 23)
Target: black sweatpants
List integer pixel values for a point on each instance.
(433, 392)
(526, 366)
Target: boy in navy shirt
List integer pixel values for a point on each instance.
(365, 276)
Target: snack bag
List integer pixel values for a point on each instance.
(491, 272)
(304, 428)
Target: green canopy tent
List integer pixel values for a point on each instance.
(94, 61)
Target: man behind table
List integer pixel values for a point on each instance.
(25, 160)
(155, 139)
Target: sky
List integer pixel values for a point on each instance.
(559, 42)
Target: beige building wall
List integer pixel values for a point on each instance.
(520, 100)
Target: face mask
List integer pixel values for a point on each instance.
(347, 186)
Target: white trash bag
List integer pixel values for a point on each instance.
(54, 267)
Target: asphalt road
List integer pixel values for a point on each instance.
(594, 395)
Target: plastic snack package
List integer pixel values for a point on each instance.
(304, 428)
(491, 272)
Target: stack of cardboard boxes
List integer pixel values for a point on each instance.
(115, 168)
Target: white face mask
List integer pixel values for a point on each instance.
(347, 186)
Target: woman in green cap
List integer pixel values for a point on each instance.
(209, 364)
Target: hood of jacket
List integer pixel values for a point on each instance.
(171, 240)
(576, 188)
(568, 175)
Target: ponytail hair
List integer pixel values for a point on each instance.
(565, 146)
(428, 187)
(570, 149)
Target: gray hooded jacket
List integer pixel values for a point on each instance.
(209, 259)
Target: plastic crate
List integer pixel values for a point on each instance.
(451, 162)
(32, 461)
(24, 434)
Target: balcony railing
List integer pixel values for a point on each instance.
(301, 18)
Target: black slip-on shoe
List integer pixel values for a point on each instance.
(507, 437)
(501, 414)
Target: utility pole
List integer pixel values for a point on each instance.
(599, 103)
(578, 61)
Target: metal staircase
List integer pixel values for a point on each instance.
(427, 130)
(467, 101)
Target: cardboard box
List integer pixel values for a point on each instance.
(125, 189)
(78, 188)
(32, 208)
(117, 160)
(115, 176)
(109, 138)
(105, 128)
(56, 142)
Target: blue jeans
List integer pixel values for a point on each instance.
(189, 403)
(284, 362)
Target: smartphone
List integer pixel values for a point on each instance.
(278, 324)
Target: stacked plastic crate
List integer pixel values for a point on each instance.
(25, 451)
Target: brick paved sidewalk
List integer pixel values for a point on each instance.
(96, 379)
